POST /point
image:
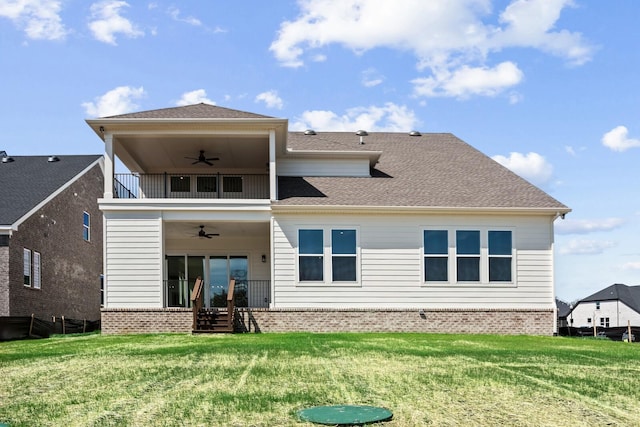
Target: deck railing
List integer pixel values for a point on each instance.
(191, 186)
(248, 293)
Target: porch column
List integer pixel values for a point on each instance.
(273, 187)
(108, 166)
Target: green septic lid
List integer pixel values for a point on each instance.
(344, 414)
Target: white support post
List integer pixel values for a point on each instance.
(273, 183)
(108, 166)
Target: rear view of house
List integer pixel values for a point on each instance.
(320, 231)
(615, 305)
(51, 236)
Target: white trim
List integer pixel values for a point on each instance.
(54, 195)
(359, 209)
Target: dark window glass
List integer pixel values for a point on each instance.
(436, 269)
(206, 184)
(344, 269)
(468, 269)
(468, 242)
(500, 269)
(436, 242)
(232, 184)
(343, 241)
(180, 184)
(499, 243)
(310, 242)
(311, 268)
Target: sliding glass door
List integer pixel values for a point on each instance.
(216, 270)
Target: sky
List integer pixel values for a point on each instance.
(548, 88)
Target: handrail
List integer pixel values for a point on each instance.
(196, 300)
(230, 302)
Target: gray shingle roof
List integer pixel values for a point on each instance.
(195, 111)
(29, 180)
(432, 170)
(630, 295)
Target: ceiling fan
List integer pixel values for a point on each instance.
(202, 159)
(203, 233)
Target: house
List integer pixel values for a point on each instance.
(50, 236)
(322, 231)
(563, 311)
(615, 305)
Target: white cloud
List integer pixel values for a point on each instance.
(586, 247)
(632, 265)
(388, 118)
(271, 99)
(116, 101)
(106, 22)
(371, 77)
(174, 12)
(467, 81)
(194, 97)
(450, 39)
(40, 19)
(617, 139)
(584, 226)
(532, 166)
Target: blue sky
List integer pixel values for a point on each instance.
(549, 88)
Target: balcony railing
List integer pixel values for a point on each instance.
(182, 186)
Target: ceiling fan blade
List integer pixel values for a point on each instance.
(207, 236)
(207, 162)
(212, 234)
(197, 161)
(214, 159)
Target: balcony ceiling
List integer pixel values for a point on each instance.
(189, 230)
(162, 153)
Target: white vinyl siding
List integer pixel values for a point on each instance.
(391, 259)
(617, 311)
(323, 167)
(134, 261)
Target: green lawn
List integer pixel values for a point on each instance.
(262, 380)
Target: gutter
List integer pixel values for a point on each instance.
(276, 208)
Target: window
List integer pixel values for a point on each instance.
(86, 226)
(311, 255)
(232, 184)
(180, 184)
(102, 290)
(436, 255)
(36, 270)
(604, 322)
(343, 255)
(588, 319)
(597, 305)
(500, 254)
(468, 255)
(27, 267)
(206, 184)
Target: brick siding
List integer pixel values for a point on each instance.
(4, 280)
(507, 322)
(70, 266)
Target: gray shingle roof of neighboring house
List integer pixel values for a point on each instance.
(432, 170)
(563, 308)
(28, 180)
(195, 111)
(630, 295)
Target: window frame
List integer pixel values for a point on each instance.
(328, 256)
(453, 255)
(36, 270)
(187, 184)
(26, 267)
(425, 255)
(86, 228)
(300, 255)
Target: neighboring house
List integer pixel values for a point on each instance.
(563, 310)
(50, 236)
(615, 305)
(322, 231)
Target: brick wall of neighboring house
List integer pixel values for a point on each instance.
(507, 322)
(70, 266)
(4, 279)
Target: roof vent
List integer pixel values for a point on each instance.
(53, 159)
(415, 133)
(309, 132)
(362, 133)
(7, 159)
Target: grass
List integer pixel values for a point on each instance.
(262, 380)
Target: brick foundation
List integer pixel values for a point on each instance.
(507, 322)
